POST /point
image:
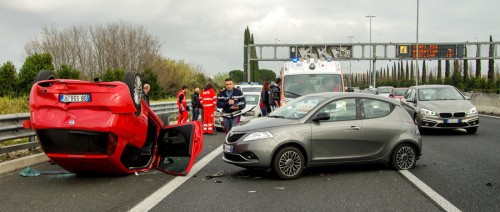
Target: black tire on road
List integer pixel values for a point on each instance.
(45, 75)
(288, 163)
(134, 83)
(404, 157)
(471, 130)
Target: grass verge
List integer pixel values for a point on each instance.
(10, 105)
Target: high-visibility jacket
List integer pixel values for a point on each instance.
(208, 98)
(181, 103)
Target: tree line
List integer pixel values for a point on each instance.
(107, 52)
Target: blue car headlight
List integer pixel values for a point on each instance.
(258, 135)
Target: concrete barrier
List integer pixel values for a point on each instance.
(486, 103)
(20, 163)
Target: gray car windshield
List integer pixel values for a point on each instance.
(297, 108)
(438, 94)
(303, 84)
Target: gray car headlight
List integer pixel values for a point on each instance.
(472, 111)
(427, 112)
(258, 135)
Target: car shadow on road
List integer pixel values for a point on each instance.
(321, 171)
(443, 132)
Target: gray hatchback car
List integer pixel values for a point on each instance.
(326, 129)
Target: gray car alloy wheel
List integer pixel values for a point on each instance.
(404, 157)
(289, 163)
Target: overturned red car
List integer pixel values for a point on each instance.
(106, 127)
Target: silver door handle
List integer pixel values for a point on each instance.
(354, 128)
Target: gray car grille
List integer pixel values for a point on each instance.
(234, 137)
(450, 115)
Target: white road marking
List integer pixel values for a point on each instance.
(490, 116)
(160, 194)
(434, 196)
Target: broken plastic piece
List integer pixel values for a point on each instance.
(218, 174)
(29, 172)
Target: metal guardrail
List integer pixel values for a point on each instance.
(11, 126)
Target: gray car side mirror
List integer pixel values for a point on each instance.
(321, 116)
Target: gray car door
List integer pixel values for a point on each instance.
(381, 127)
(339, 137)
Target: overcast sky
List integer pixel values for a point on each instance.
(210, 33)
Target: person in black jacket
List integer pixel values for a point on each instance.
(275, 95)
(232, 101)
(195, 102)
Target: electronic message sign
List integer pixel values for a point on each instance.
(430, 51)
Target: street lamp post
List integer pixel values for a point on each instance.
(418, 74)
(373, 70)
(350, 56)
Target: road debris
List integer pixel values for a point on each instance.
(29, 172)
(218, 174)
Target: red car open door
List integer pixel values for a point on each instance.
(178, 147)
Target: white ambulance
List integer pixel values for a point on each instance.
(300, 78)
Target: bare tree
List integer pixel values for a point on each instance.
(94, 49)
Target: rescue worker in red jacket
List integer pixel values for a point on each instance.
(182, 105)
(208, 99)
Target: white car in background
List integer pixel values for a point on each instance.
(252, 109)
(249, 88)
(385, 90)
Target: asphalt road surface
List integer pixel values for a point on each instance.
(463, 169)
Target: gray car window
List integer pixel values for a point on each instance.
(341, 110)
(374, 108)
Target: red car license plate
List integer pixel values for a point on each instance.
(74, 98)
